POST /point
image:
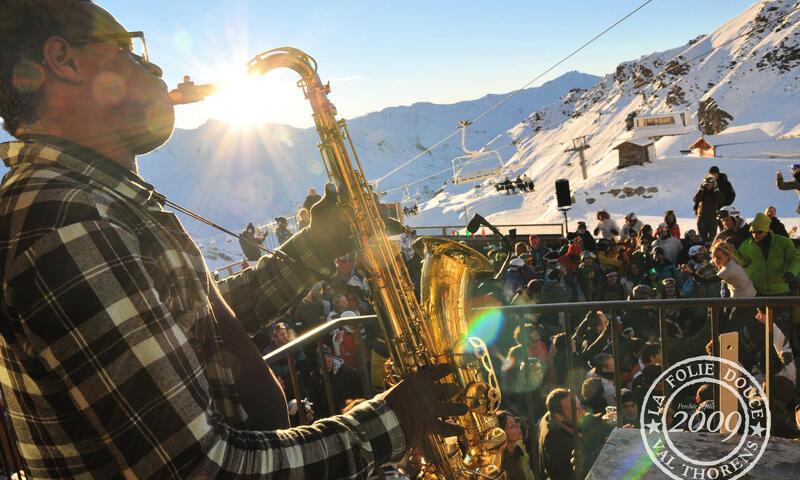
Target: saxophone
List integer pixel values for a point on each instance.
(432, 331)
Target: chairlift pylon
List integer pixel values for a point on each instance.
(473, 156)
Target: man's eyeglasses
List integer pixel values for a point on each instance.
(129, 42)
(757, 234)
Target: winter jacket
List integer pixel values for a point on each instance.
(665, 269)
(776, 226)
(672, 247)
(555, 449)
(739, 284)
(767, 273)
(793, 184)
(630, 231)
(608, 229)
(609, 261)
(728, 193)
(675, 231)
(707, 203)
(539, 262)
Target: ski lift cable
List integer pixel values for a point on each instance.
(566, 118)
(515, 93)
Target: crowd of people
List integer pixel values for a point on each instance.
(629, 261)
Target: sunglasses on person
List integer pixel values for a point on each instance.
(132, 43)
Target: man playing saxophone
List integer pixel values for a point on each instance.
(120, 356)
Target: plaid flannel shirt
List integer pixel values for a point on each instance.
(111, 363)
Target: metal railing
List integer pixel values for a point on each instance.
(315, 336)
(610, 307)
(555, 229)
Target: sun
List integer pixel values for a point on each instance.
(246, 101)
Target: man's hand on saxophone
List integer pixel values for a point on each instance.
(420, 404)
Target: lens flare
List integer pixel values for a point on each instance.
(486, 326)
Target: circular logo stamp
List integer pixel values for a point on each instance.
(733, 441)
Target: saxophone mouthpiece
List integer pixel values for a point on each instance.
(188, 92)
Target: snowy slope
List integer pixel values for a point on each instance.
(235, 176)
(756, 79)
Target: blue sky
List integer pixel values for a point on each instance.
(379, 54)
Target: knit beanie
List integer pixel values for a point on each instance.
(760, 223)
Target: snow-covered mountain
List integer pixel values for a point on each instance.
(753, 77)
(238, 175)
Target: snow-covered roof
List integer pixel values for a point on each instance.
(642, 142)
(736, 138)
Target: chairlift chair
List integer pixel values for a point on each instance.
(471, 157)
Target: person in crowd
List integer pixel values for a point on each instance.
(781, 349)
(280, 335)
(664, 268)
(592, 397)
(309, 313)
(776, 226)
(523, 370)
(612, 288)
(555, 435)
(642, 257)
(644, 381)
(179, 390)
(606, 227)
(339, 304)
(793, 184)
(609, 257)
(700, 283)
(282, 230)
(312, 198)
(407, 242)
(628, 409)
(603, 368)
(707, 202)
(520, 248)
(672, 224)
(515, 463)
(634, 276)
(772, 261)
(571, 258)
(588, 275)
(644, 322)
(650, 354)
(631, 228)
(530, 295)
(515, 278)
(724, 185)
(671, 245)
(669, 290)
(734, 228)
(646, 235)
(728, 270)
(587, 241)
(538, 251)
(303, 218)
(345, 383)
(250, 243)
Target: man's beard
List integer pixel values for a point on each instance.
(152, 131)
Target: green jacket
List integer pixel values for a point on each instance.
(767, 274)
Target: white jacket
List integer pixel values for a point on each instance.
(605, 228)
(737, 280)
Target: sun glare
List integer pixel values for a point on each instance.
(245, 101)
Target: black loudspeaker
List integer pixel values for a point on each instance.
(563, 195)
